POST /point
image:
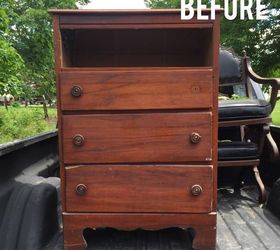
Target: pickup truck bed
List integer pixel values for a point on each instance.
(241, 224)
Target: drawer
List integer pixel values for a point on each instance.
(134, 188)
(141, 137)
(129, 90)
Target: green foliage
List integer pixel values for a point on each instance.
(260, 38)
(32, 37)
(172, 4)
(4, 22)
(26, 46)
(16, 105)
(276, 114)
(27, 62)
(274, 71)
(11, 63)
(20, 122)
(163, 4)
(10, 69)
(238, 97)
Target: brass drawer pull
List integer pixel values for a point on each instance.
(81, 189)
(196, 190)
(195, 138)
(78, 140)
(76, 91)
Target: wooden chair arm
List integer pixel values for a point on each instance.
(274, 151)
(273, 82)
(237, 123)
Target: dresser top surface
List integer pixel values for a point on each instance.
(123, 11)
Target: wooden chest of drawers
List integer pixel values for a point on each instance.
(137, 101)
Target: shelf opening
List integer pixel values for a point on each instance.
(189, 47)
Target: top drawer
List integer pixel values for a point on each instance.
(136, 89)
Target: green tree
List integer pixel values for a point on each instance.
(26, 42)
(11, 63)
(163, 4)
(260, 38)
(32, 36)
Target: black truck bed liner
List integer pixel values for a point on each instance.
(243, 224)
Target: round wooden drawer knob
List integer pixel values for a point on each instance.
(196, 190)
(195, 137)
(78, 140)
(76, 91)
(81, 189)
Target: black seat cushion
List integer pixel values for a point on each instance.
(243, 109)
(228, 150)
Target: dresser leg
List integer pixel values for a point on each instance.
(205, 238)
(74, 239)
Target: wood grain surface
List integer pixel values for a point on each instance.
(137, 161)
(127, 17)
(134, 188)
(126, 138)
(142, 89)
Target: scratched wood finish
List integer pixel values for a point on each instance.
(152, 137)
(136, 188)
(139, 89)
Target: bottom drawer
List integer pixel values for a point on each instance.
(144, 188)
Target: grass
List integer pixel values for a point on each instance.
(21, 122)
(276, 114)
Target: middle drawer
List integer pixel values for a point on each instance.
(141, 137)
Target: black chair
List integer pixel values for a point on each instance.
(249, 116)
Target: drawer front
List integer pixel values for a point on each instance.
(128, 90)
(132, 188)
(130, 138)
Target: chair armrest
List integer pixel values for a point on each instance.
(274, 151)
(273, 82)
(237, 123)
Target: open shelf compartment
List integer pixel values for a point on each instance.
(91, 48)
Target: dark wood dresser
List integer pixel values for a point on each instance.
(137, 108)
